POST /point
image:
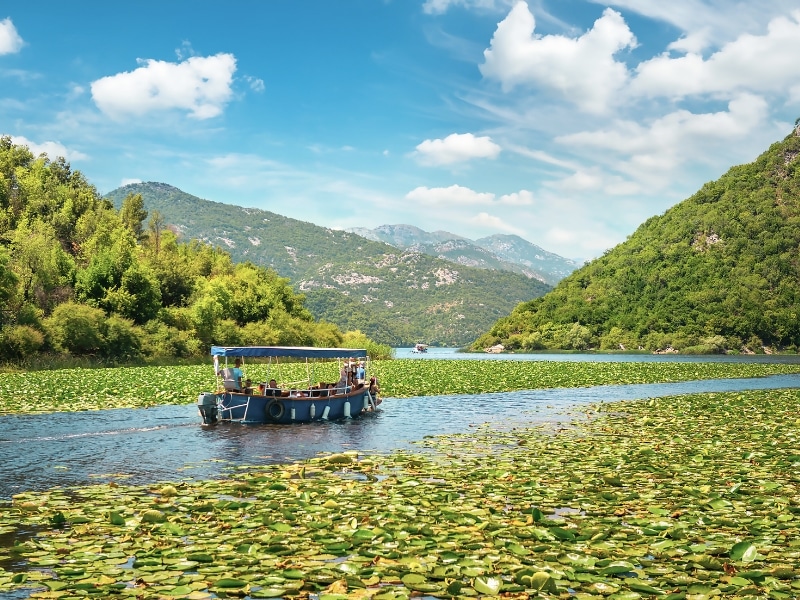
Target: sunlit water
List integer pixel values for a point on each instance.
(167, 443)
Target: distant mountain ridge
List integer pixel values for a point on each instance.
(499, 252)
(396, 297)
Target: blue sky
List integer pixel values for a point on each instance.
(567, 122)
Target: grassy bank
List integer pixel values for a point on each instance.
(138, 387)
(691, 497)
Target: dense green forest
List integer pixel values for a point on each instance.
(397, 297)
(81, 278)
(718, 272)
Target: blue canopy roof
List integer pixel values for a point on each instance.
(292, 351)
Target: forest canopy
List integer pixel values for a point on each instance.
(718, 272)
(79, 278)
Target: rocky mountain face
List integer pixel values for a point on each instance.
(496, 252)
(396, 296)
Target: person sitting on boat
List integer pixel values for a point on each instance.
(344, 377)
(248, 387)
(272, 389)
(361, 373)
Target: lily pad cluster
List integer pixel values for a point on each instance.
(690, 497)
(65, 390)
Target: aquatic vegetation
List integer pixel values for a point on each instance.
(141, 387)
(691, 497)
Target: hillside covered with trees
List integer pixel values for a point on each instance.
(395, 296)
(718, 272)
(79, 277)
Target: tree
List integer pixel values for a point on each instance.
(133, 214)
(76, 328)
(156, 226)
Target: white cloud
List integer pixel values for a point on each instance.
(454, 195)
(456, 147)
(657, 150)
(763, 63)
(707, 23)
(52, 149)
(10, 40)
(583, 70)
(256, 84)
(457, 195)
(438, 7)
(199, 85)
(487, 221)
(125, 182)
(521, 198)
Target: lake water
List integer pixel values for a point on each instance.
(167, 443)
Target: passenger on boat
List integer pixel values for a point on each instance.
(343, 382)
(361, 373)
(272, 389)
(248, 387)
(233, 375)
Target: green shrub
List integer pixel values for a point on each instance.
(20, 342)
(160, 340)
(76, 328)
(120, 339)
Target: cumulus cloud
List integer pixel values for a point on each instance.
(456, 147)
(583, 69)
(761, 63)
(129, 181)
(52, 149)
(453, 195)
(674, 139)
(457, 195)
(10, 40)
(521, 198)
(199, 85)
(487, 221)
(707, 23)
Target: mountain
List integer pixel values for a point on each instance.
(717, 272)
(396, 297)
(498, 252)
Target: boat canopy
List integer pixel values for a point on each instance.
(291, 351)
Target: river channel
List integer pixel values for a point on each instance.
(144, 446)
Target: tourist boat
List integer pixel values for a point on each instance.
(304, 401)
(420, 349)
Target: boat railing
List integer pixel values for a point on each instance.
(233, 407)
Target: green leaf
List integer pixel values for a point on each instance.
(487, 585)
(744, 551)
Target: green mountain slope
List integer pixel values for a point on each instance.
(719, 271)
(396, 297)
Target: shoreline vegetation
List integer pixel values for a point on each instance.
(684, 498)
(78, 389)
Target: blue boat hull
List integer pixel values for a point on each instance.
(247, 408)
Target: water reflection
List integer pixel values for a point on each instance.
(167, 443)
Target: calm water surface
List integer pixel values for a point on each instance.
(167, 443)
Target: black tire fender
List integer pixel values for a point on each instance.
(275, 410)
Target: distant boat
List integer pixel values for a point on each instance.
(299, 402)
(420, 349)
